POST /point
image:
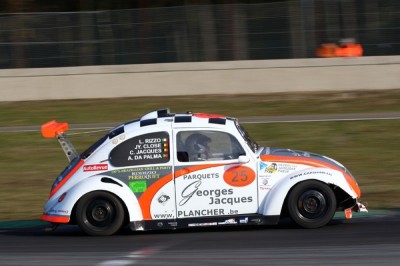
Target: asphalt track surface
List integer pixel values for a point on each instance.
(367, 240)
(245, 120)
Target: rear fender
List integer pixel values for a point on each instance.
(273, 202)
(94, 183)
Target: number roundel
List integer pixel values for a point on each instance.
(239, 176)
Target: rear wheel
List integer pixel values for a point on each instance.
(99, 213)
(311, 204)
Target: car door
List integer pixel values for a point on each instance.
(209, 180)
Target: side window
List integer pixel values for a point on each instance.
(152, 148)
(207, 146)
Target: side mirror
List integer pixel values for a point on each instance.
(243, 159)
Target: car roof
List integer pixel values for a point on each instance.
(163, 117)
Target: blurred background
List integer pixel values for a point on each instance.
(59, 33)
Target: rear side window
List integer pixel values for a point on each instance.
(152, 148)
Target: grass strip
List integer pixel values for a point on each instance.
(118, 110)
(369, 149)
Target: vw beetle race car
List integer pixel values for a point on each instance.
(168, 171)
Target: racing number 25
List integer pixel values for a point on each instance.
(239, 176)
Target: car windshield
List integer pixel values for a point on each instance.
(250, 142)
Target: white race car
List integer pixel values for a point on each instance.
(168, 171)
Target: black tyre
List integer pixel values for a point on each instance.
(99, 214)
(311, 204)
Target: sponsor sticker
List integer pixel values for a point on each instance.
(202, 224)
(163, 199)
(95, 167)
(244, 220)
(268, 168)
(229, 221)
(264, 184)
(138, 186)
(312, 172)
(272, 168)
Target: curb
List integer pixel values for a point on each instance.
(22, 224)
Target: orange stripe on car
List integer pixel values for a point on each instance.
(315, 163)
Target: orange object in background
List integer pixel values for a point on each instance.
(346, 48)
(327, 50)
(349, 50)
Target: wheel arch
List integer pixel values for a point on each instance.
(343, 199)
(274, 202)
(122, 192)
(311, 204)
(126, 212)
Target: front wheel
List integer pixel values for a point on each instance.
(311, 204)
(99, 213)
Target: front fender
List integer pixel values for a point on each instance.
(61, 212)
(273, 202)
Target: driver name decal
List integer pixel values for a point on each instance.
(151, 148)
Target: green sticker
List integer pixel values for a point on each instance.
(138, 186)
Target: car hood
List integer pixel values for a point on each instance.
(265, 151)
(307, 158)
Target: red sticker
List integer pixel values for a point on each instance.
(95, 167)
(239, 176)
